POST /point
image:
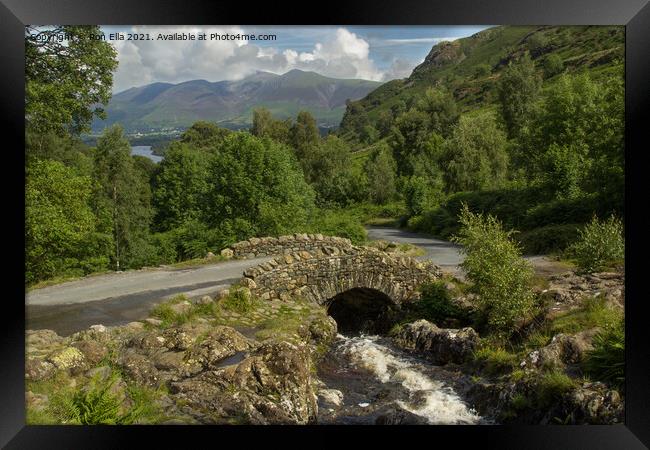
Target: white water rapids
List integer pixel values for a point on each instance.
(432, 399)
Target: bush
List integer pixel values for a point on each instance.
(338, 223)
(500, 276)
(547, 239)
(436, 306)
(552, 65)
(599, 245)
(606, 361)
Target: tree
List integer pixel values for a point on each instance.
(354, 119)
(58, 219)
(304, 135)
(576, 138)
(122, 199)
(500, 277)
(518, 91)
(440, 107)
(552, 65)
(410, 134)
(256, 188)
(264, 125)
(384, 123)
(66, 81)
(204, 134)
(180, 185)
(381, 172)
(329, 170)
(475, 155)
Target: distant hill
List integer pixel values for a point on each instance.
(470, 67)
(165, 105)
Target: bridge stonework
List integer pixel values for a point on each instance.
(270, 246)
(326, 271)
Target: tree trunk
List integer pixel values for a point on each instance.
(115, 227)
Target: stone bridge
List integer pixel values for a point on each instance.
(270, 246)
(326, 271)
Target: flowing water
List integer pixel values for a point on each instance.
(377, 379)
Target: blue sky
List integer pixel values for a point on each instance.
(378, 53)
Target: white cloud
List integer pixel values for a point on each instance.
(400, 68)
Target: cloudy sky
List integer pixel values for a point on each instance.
(378, 53)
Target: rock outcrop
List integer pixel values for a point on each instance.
(439, 345)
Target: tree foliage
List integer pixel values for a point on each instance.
(58, 218)
(500, 276)
(67, 81)
(476, 155)
(381, 171)
(181, 183)
(122, 199)
(518, 91)
(256, 187)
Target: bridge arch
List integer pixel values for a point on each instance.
(326, 272)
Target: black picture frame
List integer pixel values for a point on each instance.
(634, 14)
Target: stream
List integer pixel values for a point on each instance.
(376, 379)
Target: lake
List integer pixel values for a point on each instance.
(145, 150)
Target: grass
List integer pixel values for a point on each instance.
(606, 361)
(551, 386)
(240, 301)
(496, 361)
(196, 262)
(63, 279)
(595, 312)
(169, 317)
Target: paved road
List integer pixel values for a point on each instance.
(447, 255)
(119, 298)
(442, 253)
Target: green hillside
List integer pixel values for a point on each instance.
(471, 67)
(230, 103)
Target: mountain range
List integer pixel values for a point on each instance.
(230, 103)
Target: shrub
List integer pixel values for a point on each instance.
(338, 223)
(436, 306)
(600, 244)
(606, 361)
(500, 276)
(552, 65)
(520, 402)
(548, 239)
